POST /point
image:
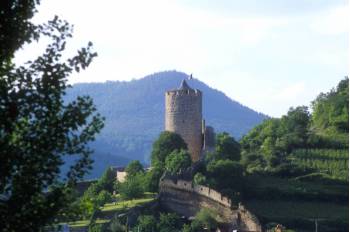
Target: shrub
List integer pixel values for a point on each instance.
(177, 161)
(132, 188)
(199, 178)
(103, 198)
(205, 218)
(146, 223)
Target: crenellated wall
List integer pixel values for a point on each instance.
(186, 199)
(198, 189)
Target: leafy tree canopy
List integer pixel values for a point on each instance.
(331, 110)
(133, 187)
(200, 179)
(177, 161)
(103, 197)
(116, 225)
(146, 223)
(275, 138)
(38, 130)
(164, 145)
(205, 220)
(107, 180)
(226, 147)
(270, 145)
(133, 168)
(15, 27)
(225, 174)
(169, 222)
(152, 178)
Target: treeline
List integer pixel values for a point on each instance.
(317, 141)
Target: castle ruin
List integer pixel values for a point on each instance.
(183, 115)
(187, 199)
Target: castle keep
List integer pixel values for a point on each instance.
(183, 115)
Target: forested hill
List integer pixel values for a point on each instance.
(305, 142)
(134, 112)
(297, 166)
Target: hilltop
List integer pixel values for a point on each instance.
(134, 112)
(287, 172)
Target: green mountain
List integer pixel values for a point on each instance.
(134, 112)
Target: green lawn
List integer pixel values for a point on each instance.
(120, 205)
(84, 223)
(127, 204)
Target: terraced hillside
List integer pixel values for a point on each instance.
(331, 162)
(298, 165)
(297, 204)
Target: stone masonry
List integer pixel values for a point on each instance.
(186, 199)
(183, 115)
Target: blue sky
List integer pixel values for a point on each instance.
(268, 55)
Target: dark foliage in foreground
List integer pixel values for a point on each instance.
(37, 128)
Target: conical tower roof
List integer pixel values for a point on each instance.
(184, 85)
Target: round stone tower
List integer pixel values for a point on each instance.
(183, 115)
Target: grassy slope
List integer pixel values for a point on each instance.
(301, 210)
(127, 204)
(119, 207)
(296, 203)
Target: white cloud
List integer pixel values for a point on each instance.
(334, 21)
(291, 92)
(243, 55)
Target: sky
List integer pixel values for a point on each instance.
(268, 55)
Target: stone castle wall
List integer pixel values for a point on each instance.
(201, 190)
(186, 199)
(183, 115)
(249, 221)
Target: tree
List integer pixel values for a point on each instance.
(96, 227)
(103, 197)
(169, 222)
(253, 163)
(187, 228)
(205, 218)
(227, 147)
(133, 168)
(132, 188)
(164, 145)
(73, 211)
(295, 127)
(331, 111)
(177, 161)
(274, 139)
(152, 178)
(225, 174)
(107, 180)
(146, 223)
(37, 128)
(15, 27)
(116, 225)
(200, 179)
